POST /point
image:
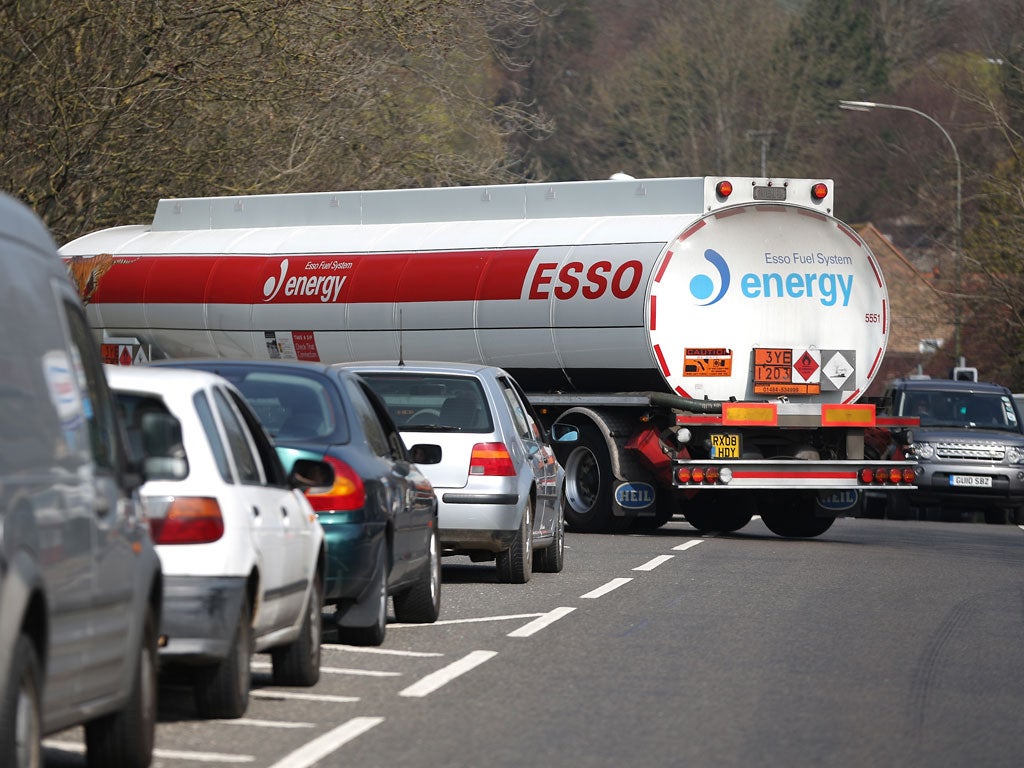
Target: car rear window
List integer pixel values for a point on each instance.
(291, 406)
(434, 402)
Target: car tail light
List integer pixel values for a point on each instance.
(723, 189)
(347, 492)
(819, 191)
(185, 520)
(491, 459)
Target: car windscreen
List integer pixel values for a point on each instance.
(426, 402)
(984, 410)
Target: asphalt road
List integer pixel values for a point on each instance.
(881, 643)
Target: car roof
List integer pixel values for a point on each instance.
(225, 362)
(950, 385)
(417, 366)
(159, 379)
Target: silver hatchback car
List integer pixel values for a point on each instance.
(473, 433)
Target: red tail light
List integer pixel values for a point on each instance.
(346, 494)
(187, 520)
(723, 188)
(887, 476)
(491, 459)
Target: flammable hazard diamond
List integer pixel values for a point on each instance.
(807, 365)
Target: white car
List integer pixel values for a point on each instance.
(241, 548)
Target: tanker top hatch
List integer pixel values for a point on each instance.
(570, 199)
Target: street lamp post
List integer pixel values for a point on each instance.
(867, 106)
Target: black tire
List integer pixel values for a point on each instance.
(377, 601)
(298, 663)
(794, 516)
(124, 739)
(515, 564)
(588, 486)
(897, 506)
(421, 603)
(551, 559)
(995, 516)
(222, 690)
(20, 709)
(720, 511)
(667, 506)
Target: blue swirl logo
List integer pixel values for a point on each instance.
(702, 286)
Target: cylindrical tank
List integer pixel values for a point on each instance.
(752, 300)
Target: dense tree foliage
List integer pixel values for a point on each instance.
(107, 105)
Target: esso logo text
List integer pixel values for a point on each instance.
(591, 281)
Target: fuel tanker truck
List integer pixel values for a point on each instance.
(705, 340)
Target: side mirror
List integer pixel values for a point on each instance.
(565, 433)
(425, 453)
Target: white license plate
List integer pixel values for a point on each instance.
(971, 481)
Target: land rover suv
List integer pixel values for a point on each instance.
(969, 446)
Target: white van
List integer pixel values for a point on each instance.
(80, 582)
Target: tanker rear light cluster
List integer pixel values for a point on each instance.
(703, 475)
(873, 476)
(724, 189)
(887, 476)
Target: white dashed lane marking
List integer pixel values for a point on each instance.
(445, 675)
(687, 545)
(538, 624)
(606, 588)
(650, 565)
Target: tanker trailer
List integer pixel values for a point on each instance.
(709, 338)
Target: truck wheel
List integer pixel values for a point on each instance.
(795, 517)
(298, 663)
(719, 511)
(897, 506)
(995, 516)
(515, 564)
(125, 737)
(666, 508)
(20, 709)
(588, 486)
(223, 689)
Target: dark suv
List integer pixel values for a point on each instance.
(969, 445)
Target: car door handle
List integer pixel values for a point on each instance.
(284, 514)
(256, 512)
